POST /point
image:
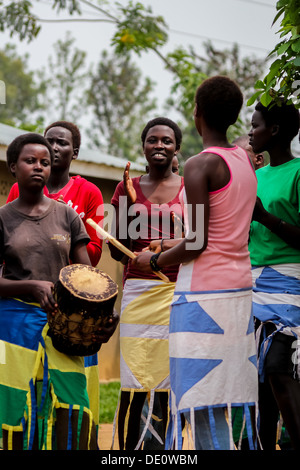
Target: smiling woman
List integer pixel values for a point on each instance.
(146, 300)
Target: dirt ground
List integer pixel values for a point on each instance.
(105, 438)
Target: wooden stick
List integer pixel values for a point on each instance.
(121, 247)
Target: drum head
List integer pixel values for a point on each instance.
(85, 298)
(88, 283)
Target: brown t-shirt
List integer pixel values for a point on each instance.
(38, 247)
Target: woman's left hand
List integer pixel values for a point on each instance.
(142, 261)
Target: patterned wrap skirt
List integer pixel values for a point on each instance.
(144, 339)
(212, 360)
(36, 380)
(276, 301)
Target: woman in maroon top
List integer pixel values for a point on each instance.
(144, 208)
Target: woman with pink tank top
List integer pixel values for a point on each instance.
(212, 349)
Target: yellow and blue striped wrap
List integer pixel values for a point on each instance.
(144, 335)
(36, 380)
(93, 385)
(144, 338)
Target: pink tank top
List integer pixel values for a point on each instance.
(225, 263)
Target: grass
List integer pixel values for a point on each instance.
(109, 394)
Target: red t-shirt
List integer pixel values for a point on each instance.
(86, 199)
(150, 222)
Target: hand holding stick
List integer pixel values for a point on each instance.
(119, 245)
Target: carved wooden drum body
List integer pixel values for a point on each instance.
(85, 297)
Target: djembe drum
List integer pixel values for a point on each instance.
(85, 297)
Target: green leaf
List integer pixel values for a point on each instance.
(283, 48)
(70, 5)
(253, 98)
(266, 99)
(296, 46)
(259, 84)
(281, 3)
(278, 15)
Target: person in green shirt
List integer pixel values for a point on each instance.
(274, 246)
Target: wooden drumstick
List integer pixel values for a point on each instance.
(121, 247)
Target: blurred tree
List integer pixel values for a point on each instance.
(283, 76)
(120, 101)
(18, 19)
(193, 69)
(65, 81)
(22, 101)
(137, 28)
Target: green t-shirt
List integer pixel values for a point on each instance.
(279, 189)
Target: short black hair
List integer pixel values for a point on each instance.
(15, 147)
(163, 121)
(219, 100)
(76, 136)
(283, 114)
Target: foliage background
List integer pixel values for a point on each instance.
(109, 393)
(137, 32)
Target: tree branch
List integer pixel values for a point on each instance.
(165, 60)
(69, 20)
(96, 7)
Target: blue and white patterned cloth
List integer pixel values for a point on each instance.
(276, 299)
(212, 357)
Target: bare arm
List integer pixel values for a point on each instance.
(156, 246)
(196, 177)
(80, 255)
(41, 291)
(121, 219)
(118, 222)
